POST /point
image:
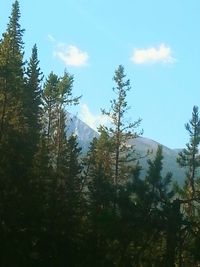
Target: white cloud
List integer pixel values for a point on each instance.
(161, 54)
(71, 55)
(92, 120)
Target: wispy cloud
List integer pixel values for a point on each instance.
(162, 54)
(69, 54)
(92, 120)
(51, 38)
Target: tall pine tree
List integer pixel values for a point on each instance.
(14, 145)
(121, 131)
(189, 156)
(33, 100)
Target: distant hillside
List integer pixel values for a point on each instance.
(142, 145)
(86, 134)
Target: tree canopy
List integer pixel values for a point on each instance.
(62, 207)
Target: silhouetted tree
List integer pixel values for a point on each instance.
(189, 156)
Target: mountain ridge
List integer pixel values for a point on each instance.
(85, 135)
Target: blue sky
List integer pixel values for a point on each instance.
(157, 42)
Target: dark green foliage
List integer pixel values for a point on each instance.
(189, 194)
(189, 157)
(14, 28)
(11, 78)
(101, 219)
(33, 93)
(121, 132)
(57, 95)
(14, 162)
(58, 208)
(138, 235)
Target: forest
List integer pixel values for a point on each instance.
(60, 207)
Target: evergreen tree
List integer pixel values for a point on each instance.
(99, 195)
(57, 96)
(189, 194)
(142, 203)
(99, 171)
(189, 157)
(11, 75)
(13, 127)
(33, 100)
(157, 184)
(165, 211)
(49, 104)
(14, 158)
(121, 131)
(65, 189)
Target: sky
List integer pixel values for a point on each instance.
(157, 42)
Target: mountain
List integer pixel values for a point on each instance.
(142, 145)
(85, 135)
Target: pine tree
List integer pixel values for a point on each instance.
(100, 171)
(49, 104)
(99, 195)
(33, 100)
(57, 96)
(189, 194)
(12, 75)
(165, 210)
(121, 132)
(158, 185)
(68, 166)
(65, 189)
(189, 156)
(66, 201)
(13, 128)
(14, 161)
